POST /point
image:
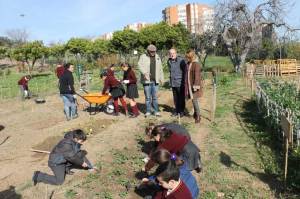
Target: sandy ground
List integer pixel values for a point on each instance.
(29, 125)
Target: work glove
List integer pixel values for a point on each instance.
(126, 81)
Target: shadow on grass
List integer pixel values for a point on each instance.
(10, 193)
(269, 179)
(41, 75)
(255, 126)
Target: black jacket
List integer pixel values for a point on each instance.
(66, 83)
(67, 150)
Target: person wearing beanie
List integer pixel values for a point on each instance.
(150, 66)
(130, 80)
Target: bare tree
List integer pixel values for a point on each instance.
(19, 36)
(204, 44)
(241, 27)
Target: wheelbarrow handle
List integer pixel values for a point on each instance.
(84, 90)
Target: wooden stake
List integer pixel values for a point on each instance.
(286, 160)
(39, 151)
(214, 101)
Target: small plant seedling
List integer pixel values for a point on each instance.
(70, 194)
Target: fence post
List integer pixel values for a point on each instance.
(214, 97)
(252, 85)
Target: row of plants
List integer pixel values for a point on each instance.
(285, 96)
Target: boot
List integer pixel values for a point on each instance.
(135, 111)
(197, 118)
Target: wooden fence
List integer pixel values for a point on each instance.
(279, 67)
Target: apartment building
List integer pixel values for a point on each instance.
(196, 17)
(137, 26)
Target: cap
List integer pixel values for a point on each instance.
(151, 47)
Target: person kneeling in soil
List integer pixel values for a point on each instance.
(175, 143)
(115, 87)
(65, 156)
(23, 84)
(161, 157)
(179, 129)
(173, 187)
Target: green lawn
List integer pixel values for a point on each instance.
(219, 62)
(46, 83)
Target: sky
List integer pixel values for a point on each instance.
(60, 20)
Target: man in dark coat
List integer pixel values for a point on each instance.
(64, 156)
(177, 68)
(67, 92)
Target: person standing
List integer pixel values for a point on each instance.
(193, 85)
(23, 84)
(67, 92)
(177, 67)
(152, 75)
(130, 80)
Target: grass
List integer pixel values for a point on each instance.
(224, 64)
(46, 83)
(235, 167)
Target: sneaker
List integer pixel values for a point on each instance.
(174, 114)
(147, 114)
(69, 172)
(133, 116)
(198, 169)
(180, 114)
(75, 116)
(157, 114)
(34, 177)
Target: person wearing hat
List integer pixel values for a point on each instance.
(152, 75)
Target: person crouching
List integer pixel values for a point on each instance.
(65, 156)
(23, 84)
(115, 87)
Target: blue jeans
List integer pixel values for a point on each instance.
(150, 91)
(69, 105)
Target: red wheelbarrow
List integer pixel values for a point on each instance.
(101, 102)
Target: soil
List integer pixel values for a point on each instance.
(40, 126)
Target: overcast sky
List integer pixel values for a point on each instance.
(59, 20)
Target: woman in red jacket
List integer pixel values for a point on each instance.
(130, 80)
(114, 88)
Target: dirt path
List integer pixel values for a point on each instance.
(28, 125)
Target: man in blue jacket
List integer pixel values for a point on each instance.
(177, 68)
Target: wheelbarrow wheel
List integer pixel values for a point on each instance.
(109, 109)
